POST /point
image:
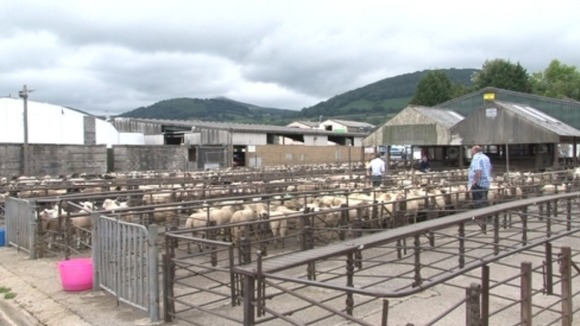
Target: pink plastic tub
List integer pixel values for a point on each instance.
(76, 274)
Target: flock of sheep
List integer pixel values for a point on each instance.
(331, 198)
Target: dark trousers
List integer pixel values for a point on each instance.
(377, 180)
(479, 196)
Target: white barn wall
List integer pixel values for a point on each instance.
(54, 124)
(249, 139)
(316, 140)
(154, 139)
(131, 138)
(192, 139)
(47, 123)
(334, 126)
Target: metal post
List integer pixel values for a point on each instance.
(507, 158)
(461, 245)
(472, 309)
(566, 275)
(25, 150)
(485, 295)
(496, 234)
(526, 294)
(152, 261)
(385, 315)
(249, 308)
(549, 269)
(349, 282)
(417, 250)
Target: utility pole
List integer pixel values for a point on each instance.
(25, 150)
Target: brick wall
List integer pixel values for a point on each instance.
(270, 155)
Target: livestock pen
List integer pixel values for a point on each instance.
(311, 230)
(477, 258)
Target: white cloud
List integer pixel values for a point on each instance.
(114, 56)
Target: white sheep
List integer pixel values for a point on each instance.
(250, 212)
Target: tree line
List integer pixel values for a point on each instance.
(558, 80)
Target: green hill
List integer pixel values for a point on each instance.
(217, 109)
(373, 103)
(381, 99)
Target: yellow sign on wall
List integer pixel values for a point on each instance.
(489, 96)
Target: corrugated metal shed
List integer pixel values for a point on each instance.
(561, 109)
(311, 124)
(353, 124)
(415, 125)
(243, 127)
(511, 123)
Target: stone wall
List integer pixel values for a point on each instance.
(54, 160)
(128, 158)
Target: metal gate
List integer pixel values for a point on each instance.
(126, 262)
(20, 221)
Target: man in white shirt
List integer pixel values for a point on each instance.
(377, 170)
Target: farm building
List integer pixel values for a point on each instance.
(58, 139)
(55, 124)
(304, 124)
(532, 134)
(329, 125)
(516, 133)
(338, 125)
(561, 109)
(419, 127)
(217, 144)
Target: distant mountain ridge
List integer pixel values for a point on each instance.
(373, 103)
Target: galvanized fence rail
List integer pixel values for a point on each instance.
(21, 226)
(125, 262)
(341, 282)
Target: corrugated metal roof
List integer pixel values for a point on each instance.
(540, 118)
(479, 94)
(311, 124)
(353, 124)
(445, 118)
(562, 109)
(246, 127)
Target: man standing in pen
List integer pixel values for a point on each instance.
(377, 170)
(479, 177)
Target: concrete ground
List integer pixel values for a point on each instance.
(40, 300)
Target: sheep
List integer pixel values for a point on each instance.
(323, 220)
(279, 220)
(112, 205)
(81, 224)
(49, 222)
(219, 216)
(250, 212)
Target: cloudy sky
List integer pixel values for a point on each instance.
(114, 56)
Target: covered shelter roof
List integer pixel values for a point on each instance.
(261, 128)
(311, 124)
(415, 125)
(352, 124)
(196, 125)
(562, 109)
(499, 122)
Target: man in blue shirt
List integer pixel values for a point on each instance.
(479, 177)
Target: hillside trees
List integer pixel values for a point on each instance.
(503, 74)
(557, 80)
(434, 88)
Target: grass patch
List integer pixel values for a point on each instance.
(9, 295)
(4, 289)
